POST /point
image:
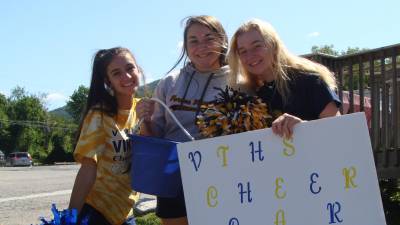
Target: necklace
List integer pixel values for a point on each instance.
(128, 121)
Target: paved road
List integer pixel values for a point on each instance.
(28, 192)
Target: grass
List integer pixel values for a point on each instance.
(148, 219)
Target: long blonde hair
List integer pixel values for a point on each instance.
(282, 62)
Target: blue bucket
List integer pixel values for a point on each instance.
(155, 166)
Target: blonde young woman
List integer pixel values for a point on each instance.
(295, 89)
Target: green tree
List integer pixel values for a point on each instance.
(17, 93)
(25, 125)
(4, 124)
(77, 102)
(325, 49)
(61, 147)
(330, 50)
(27, 114)
(352, 50)
(60, 139)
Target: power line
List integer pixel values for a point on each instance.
(39, 124)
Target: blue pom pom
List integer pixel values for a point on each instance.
(65, 217)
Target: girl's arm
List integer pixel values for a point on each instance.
(284, 124)
(83, 183)
(145, 129)
(330, 110)
(144, 110)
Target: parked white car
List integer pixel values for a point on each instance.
(19, 159)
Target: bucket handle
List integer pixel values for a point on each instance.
(136, 128)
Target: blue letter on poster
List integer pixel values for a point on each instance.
(233, 221)
(313, 182)
(242, 192)
(259, 151)
(196, 161)
(333, 212)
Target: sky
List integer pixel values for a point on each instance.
(47, 46)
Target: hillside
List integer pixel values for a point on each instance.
(149, 88)
(62, 112)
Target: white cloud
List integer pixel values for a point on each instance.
(313, 34)
(55, 100)
(55, 97)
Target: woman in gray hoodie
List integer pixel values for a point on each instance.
(205, 68)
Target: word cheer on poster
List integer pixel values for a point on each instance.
(324, 174)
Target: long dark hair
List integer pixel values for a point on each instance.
(213, 24)
(99, 98)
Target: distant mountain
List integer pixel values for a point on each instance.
(61, 112)
(149, 89)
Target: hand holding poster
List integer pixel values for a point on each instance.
(325, 174)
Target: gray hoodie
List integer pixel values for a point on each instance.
(171, 90)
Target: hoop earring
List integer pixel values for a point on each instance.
(109, 90)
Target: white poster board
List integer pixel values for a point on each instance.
(324, 175)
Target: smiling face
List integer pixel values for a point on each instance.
(255, 55)
(203, 48)
(123, 75)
